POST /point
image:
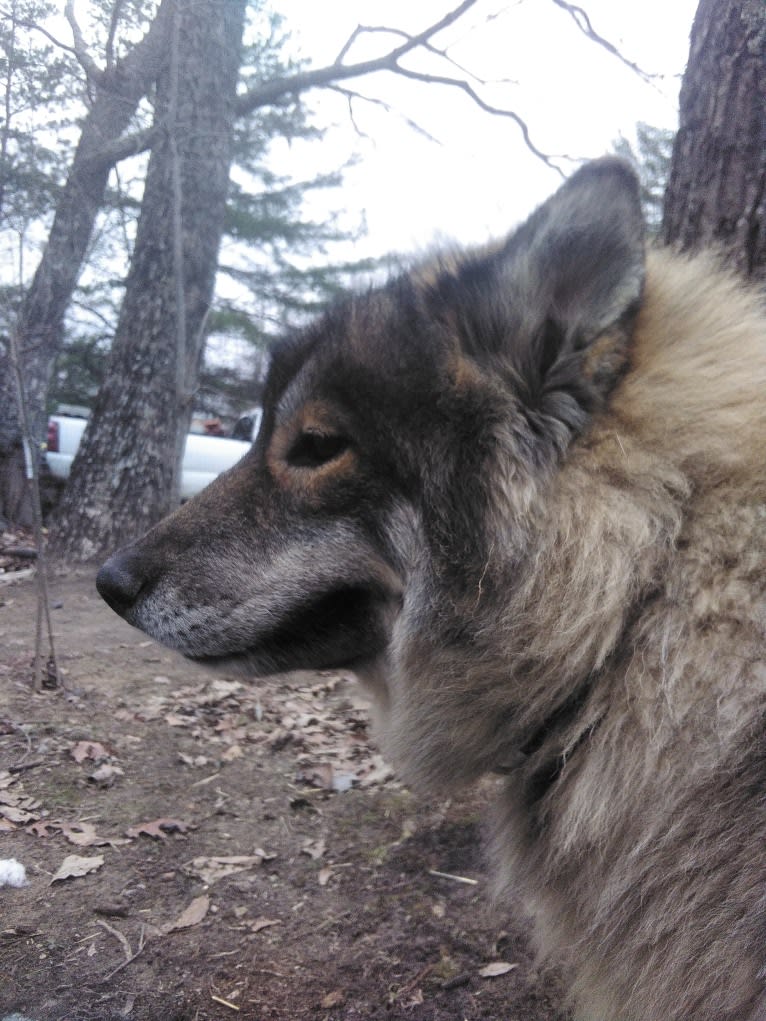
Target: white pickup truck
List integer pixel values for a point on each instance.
(204, 456)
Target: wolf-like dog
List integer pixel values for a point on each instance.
(522, 492)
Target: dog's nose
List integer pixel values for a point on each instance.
(119, 581)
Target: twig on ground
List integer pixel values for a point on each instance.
(455, 879)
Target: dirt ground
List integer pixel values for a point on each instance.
(200, 849)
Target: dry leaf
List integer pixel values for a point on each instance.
(314, 848)
(43, 828)
(414, 999)
(333, 999)
(158, 828)
(263, 923)
(73, 866)
(175, 720)
(89, 750)
(83, 834)
(220, 689)
(18, 815)
(196, 760)
(105, 775)
(325, 875)
(496, 968)
(192, 915)
(210, 870)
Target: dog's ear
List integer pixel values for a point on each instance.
(579, 259)
(557, 301)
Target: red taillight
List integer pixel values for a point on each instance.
(53, 437)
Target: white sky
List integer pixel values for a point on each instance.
(575, 97)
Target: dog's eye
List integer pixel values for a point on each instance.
(313, 449)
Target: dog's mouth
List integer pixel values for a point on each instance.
(338, 629)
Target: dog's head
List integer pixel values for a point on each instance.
(405, 434)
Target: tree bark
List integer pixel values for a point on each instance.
(125, 474)
(40, 321)
(716, 192)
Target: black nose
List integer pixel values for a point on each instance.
(120, 580)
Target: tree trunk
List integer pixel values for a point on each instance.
(716, 193)
(39, 326)
(124, 477)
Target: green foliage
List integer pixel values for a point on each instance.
(651, 158)
(78, 372)
(35, 79)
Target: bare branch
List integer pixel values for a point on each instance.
(113, 23)
(31, 456)
(333, 74)
(498, 111)
(118, 149)
(361, 30)
(88, 64)
(272, 92)
(350, 95)
(581, 19)
(32, 26)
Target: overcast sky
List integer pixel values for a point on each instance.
(481, 179)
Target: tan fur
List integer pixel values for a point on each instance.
(541, 541)
(666, 495)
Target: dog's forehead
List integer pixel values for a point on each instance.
(373, 339)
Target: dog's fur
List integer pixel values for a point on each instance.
(523, 492)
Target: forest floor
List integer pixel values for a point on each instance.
(197, 848)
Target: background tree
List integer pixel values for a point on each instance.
(32, 79)
(650, 155)
(123, 478)
(114, 93)
(717, 188)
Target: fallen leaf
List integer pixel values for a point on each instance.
(13, 814)
(414, 999)
(263, 923)
(105, 775)
(496, 968)
(325, 875)
(195, 760)
(314, 848)
(333, 999)
(89, 750)
(83, 834)
(192, 915)
(211, 869)
(43, 828)
(220, 689)
(320, 775)
(158, 829)
(175, 720)
(73, 866)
